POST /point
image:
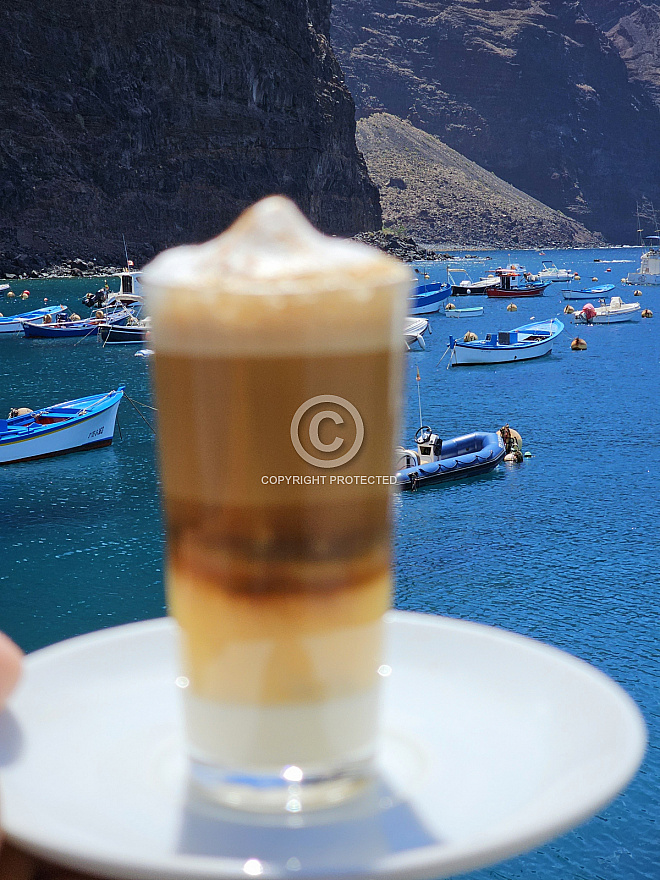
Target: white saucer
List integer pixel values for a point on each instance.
(492, 744)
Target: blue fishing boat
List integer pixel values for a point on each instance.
(521, 344)
(81, 328)
(587, 292)
(84, 423)
(14, 323)
(427, 298)
(437, 460)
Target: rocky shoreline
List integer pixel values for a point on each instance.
(403, 247)
(22, 269)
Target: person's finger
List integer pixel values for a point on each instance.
(10, 666)
(17, 865)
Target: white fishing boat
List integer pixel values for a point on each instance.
(465, 286)
(523, 343)
(649, 269)
(551, 273)
(84, 423)
(413, 332)
(472, 312)
(613, 312)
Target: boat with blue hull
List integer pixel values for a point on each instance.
(427, 298)
(520, 344)
(587, 292)
(438, 461)
(83, 423)
(14, 323)
(80, 329)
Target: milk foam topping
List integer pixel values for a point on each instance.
(272, 283)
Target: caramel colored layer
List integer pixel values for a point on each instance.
(271, 649)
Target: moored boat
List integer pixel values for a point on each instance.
(649, 269)
(521, 344)
(130, 292)
(413, 332)
(551, 273)
(515, 282)
(427, 298)
(126, 334)
(82, 328)
(587, 292)
(467, 287)
(436, 460)
(472, 312)
(614, 312)
(14, 323)
(84, 423)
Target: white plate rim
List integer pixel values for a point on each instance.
(425, 863)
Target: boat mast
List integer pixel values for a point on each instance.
(126, 251)
(419, 399)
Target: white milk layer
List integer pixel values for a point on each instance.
(319, 738)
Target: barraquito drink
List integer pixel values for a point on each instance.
(277, 372)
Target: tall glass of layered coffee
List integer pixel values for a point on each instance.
(277, 373)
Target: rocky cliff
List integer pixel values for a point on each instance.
(532, 90)
(162, 119)
(633, 27)
(439, 196)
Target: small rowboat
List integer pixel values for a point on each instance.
(587, 292)
(437, 460)
(613, 313)
(472, 312)
(84, 423)
(524, 343)
(427, 298)
(413, 332)
(14, 323)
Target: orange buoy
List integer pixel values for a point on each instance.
(568, 309)
(578, 344)
(637, 293)
(594, 278)
(512, 307)
(647, 313)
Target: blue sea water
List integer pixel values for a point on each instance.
(563, 548)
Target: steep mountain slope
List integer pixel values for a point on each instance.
(439, 196)
(161, 120)
(633, 27)
(531, 90)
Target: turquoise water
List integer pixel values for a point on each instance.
(562, 548)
